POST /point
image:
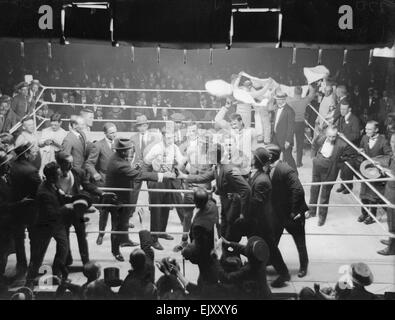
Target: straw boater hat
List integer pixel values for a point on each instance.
(280, 95)
(82, 200)
(140, 120)
(21, 85)
(370, 171)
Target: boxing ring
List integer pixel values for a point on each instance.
(360, 239)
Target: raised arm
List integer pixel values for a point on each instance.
(220, 119)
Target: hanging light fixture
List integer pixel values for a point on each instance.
(158, 54)
(319, 61)
(132, 53)
(49, 50)
(185, 56)
(294, 55)
(211, 56)
(370, 57)
(345, 56)
(22, 45)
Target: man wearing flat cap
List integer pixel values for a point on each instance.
(284, 128)
(8, 118)
(25, 181)
(120, 174)
(20, 103)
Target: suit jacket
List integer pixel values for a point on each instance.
(120, 174)
(284, 131)
(288, 195)
(351, 129)
(10, 120)
(21, 106)
(25, 179)
(142, 149)
(50, 203)
(385, 108)
(77, 148)
(380, 148)
(341, 153)
(228, 181)
(373, 107)
(98, 158)
(82, 184)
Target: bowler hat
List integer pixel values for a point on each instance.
(140, 120)
(275, 152)
(23, 148)
(257, 248)
(262, 155)
(82, 199)
(123, 144)
(4, 158)
(361, 273)
(111, 277)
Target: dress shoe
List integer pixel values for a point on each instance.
(131, 225)
(119, 257)
(362, 217)
(280, 282)
(369, 220)
(385, 242)
(156, 245)
(166, 236)
(180, 246)
(129, 244)
(341, 189)
(99, 240)
(302, 272)
(386, 252)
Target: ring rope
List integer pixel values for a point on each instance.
(123, 89)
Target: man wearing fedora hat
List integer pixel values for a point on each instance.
(284, 128)
(20, 103)
(375, 146)
(8, 118)
(120, 174)
(261, 220)
(361, 277)
(25, 181)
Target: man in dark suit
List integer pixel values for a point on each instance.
(233, 189)
(374, 145)
(373, 104)
(20, 103)
(120, 174)
(74, 181)
(8, 118)
(289, 205)
(75, 142)
(25, 181)
(348, 124)
(284, 128)
(341, 93)
(97, 164)
(50, 224)
(328, 152)
(260, 219)
(387, 106)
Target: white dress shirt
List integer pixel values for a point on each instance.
(278, 115)
(327, 149)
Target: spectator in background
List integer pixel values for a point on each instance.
(51, 140)
(88, 116)
(28, 135)
(387, 106)
(374, 145)
(372, 107)
(20, 103)
(357, 101)
(328, 152)
(327, 103)
(299, 105)
(75, 142)
(284, 128)
(8, 118)
(348, 124)
(117, 115)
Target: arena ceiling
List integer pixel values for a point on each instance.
(187, 24)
